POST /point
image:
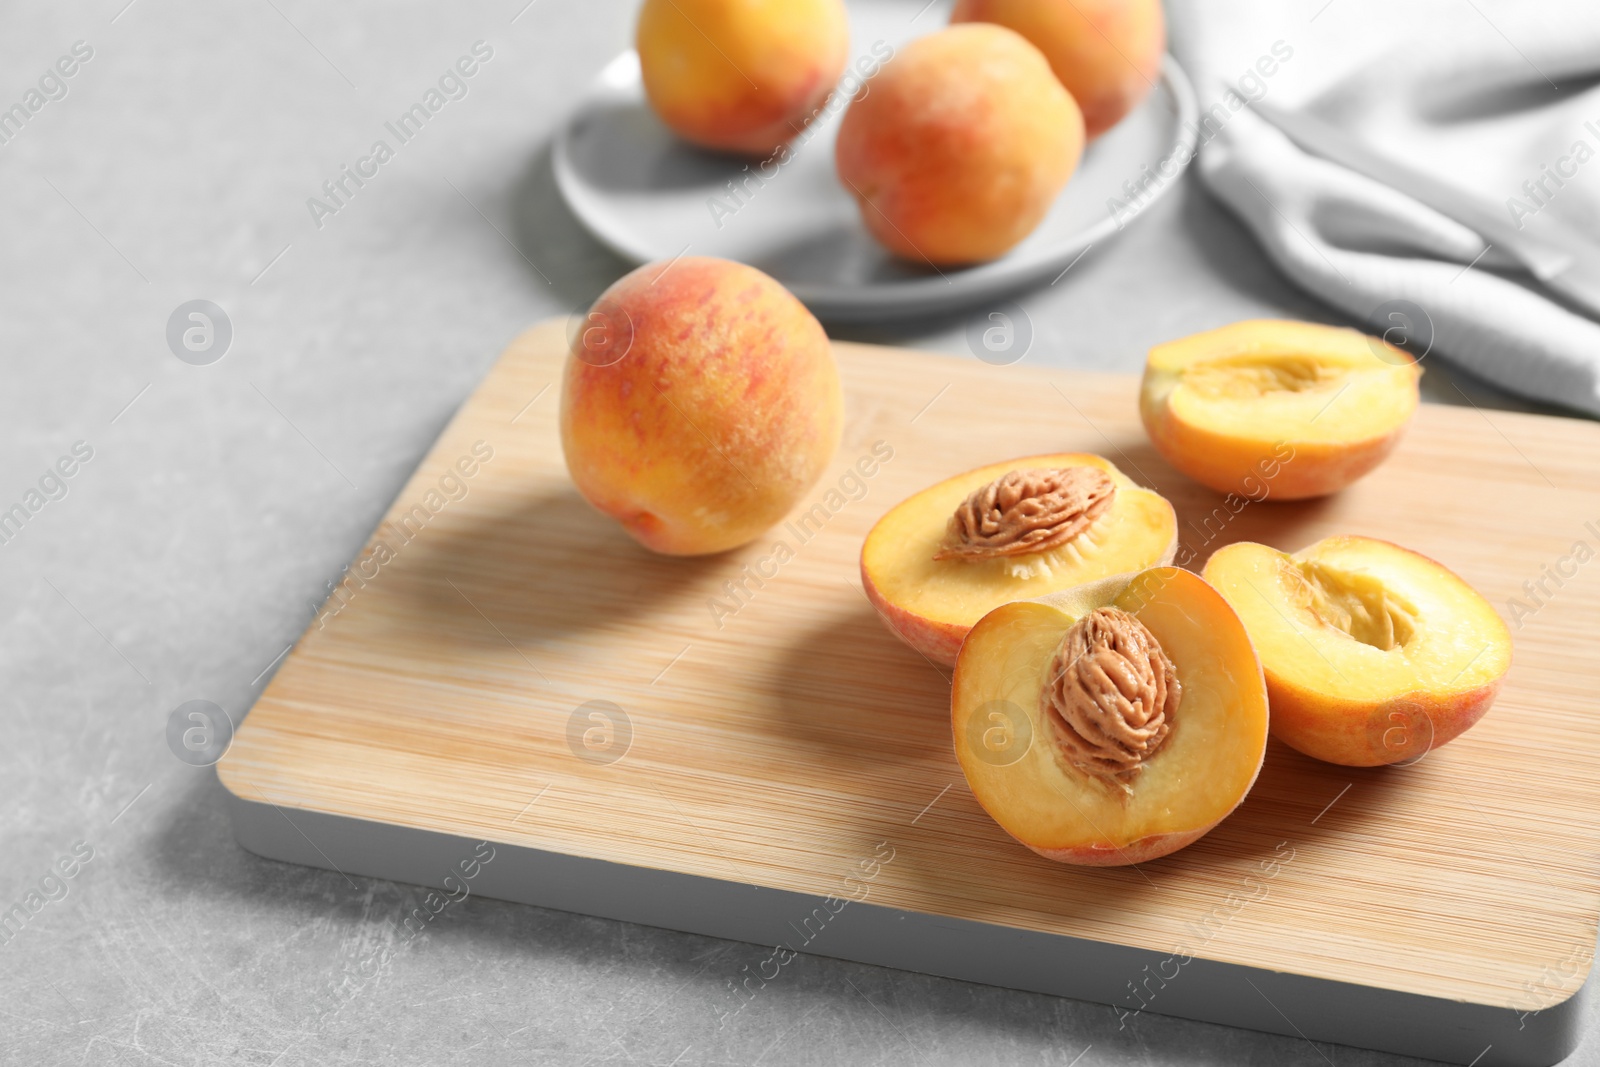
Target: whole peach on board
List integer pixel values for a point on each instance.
(699, 402)
(1373, 654)
(1110, 726)
(939, 560)
(1106, 52)
(1274, 408)
(959, 146)
(740, 75)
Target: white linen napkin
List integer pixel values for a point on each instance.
(1498, 98)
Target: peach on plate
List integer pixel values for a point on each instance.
(1111, 727)
(1277, 408)
(699, 402)
(1373, 653)
(740, 75)
(1106, 52)
(942, 558)
(958, 148)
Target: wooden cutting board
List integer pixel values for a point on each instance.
(736, 745)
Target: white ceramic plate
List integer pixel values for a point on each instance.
(650, 196)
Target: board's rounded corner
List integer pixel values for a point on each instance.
(1570, 991)
(251, 831)
(1558, 1005)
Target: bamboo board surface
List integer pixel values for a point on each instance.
(780, 739)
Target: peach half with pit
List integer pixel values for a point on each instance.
(944, 557)
(1114, 724)
(1297, 408)
(1373, 653)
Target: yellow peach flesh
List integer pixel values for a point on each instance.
(1373, 654)
(1202, 772)
(932, 603)
(1314, 407)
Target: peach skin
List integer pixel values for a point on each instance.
(699, 402)
(960, 145)
(1106, 52)
(740, 76)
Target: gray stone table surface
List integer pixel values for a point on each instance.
(192, 546)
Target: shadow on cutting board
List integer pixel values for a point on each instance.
(545, 568)
(852, 692)
(1207, 520)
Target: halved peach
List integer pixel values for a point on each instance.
(1111, 729)
(931, 582)
(1273, 408)
(1373, 653)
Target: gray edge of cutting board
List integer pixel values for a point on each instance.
(1207, 990)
